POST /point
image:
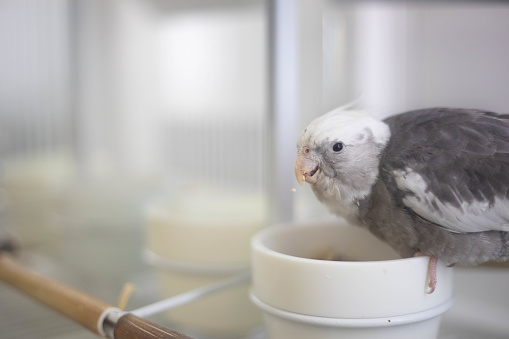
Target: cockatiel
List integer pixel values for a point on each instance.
(428, 182)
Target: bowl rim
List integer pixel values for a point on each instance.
(257, 245)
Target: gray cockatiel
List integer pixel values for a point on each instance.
(428, 182)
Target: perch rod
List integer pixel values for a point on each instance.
(95, 315)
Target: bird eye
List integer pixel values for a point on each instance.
(306, 150)
(337, 147)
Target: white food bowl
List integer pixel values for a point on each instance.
(371, 293)
(199, 240)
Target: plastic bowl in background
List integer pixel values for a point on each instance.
(199, 240)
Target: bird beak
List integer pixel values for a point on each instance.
(305, 169)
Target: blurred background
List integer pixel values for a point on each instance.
(146, 141)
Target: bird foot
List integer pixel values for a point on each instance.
(432, 272)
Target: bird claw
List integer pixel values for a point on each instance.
(432, 274)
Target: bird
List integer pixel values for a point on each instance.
(429, 182)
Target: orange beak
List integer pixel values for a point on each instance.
(305, 169)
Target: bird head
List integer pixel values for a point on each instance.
(341, 148)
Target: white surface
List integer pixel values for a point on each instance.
(480, 311)
(481, 308)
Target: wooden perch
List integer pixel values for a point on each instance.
(78, 306)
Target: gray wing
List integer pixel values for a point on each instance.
(450, 167)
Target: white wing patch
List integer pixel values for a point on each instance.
(468, 217)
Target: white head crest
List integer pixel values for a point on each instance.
(352, 127)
